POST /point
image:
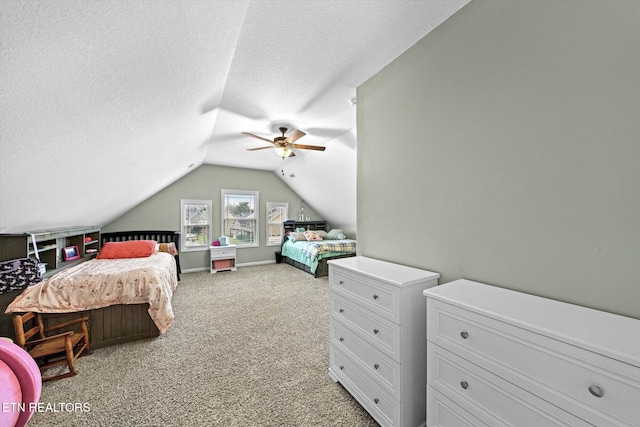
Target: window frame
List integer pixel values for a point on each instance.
(184, 245)
(224, 193)
(268, 224)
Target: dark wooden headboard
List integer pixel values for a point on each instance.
(289, 226)
(160, 236)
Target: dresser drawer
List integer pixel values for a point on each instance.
(489, 397)
(223, 252)
(379, 297)
(385, 371)
(443, 412)
(383, 408)
(593, 387)
(379, 332)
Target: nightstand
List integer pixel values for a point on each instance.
(222, 258)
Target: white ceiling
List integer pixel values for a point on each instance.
(104, 103)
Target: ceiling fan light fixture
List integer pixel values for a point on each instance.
(284, 145)
(283, 151)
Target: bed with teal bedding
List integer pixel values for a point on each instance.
(311, 256)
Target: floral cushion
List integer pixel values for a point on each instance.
(312, 235)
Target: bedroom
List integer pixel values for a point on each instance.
(564, 225)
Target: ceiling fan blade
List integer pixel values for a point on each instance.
(259, 148)
(309, 147)
(256, 136)
(296, 135)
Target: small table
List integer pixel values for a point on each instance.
(222, 258)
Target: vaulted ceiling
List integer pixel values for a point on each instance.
(104, 103)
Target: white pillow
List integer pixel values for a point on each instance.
(335, 234)
(297, 237)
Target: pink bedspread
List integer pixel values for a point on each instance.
(103, 282)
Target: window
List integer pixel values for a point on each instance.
(277, 213)
(195, 225)
(240, 217)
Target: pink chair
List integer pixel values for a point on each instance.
(10, 393)
(20, 385)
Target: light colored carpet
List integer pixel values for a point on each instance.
(247, 348)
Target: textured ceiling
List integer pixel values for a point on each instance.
(103, 103)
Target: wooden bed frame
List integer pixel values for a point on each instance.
(116, 324)
(323, 267)
(158, 236)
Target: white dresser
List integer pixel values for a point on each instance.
(498, 357)
(377, 348)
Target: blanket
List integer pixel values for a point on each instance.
(313, 249)
(103, 282)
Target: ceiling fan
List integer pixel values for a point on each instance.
(284, 145)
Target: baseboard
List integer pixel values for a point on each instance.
(249, 264)
(244, 264)
(194, 270)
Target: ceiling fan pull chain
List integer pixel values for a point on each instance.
(282, 170)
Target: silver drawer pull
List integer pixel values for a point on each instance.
(596, 391)
(464, 385)
(375, 331)
(376, 366)
(376, 400)
(375, 296)
(464, 334)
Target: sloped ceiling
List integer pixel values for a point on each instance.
(102, 104)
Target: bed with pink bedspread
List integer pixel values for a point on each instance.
(125, 298)
(100, 283)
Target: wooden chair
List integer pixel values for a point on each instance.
(54, 350)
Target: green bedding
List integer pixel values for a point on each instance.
(310, 253)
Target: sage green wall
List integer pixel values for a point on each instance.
(162, 211)
(504, 147)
